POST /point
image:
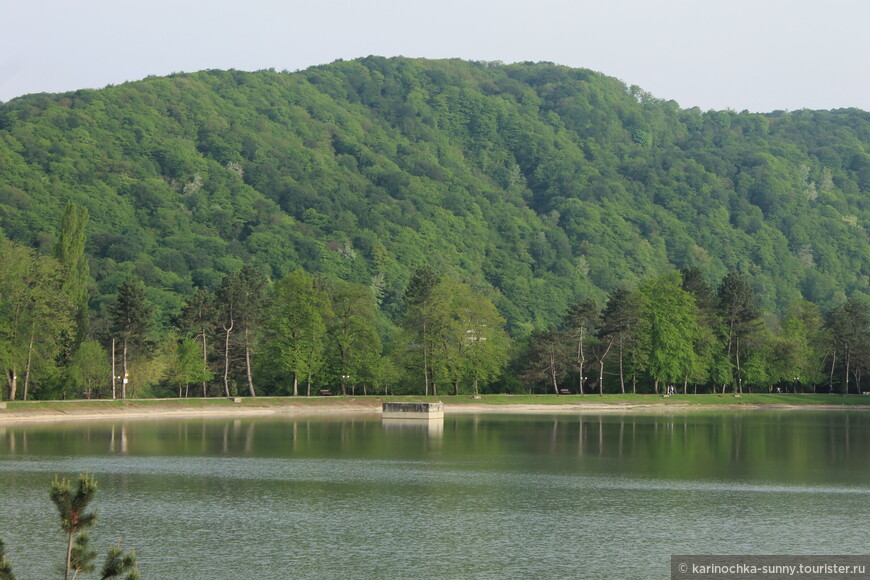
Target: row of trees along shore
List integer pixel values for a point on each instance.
(307, 332)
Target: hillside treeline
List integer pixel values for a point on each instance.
(307, 333)
(534, 186)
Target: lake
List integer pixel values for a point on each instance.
(483, 496)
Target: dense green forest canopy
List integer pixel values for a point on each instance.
(534, 186)
(536, 183)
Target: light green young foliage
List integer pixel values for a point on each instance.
(298, 331)
(186, 365)
(800, 348)
(670, 317)
(90, 371)
(356, 343)
(759, 371)
(468, 342)
(70, 253)
(383, 372)
(34, 313)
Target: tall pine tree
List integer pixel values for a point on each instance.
(131, 321)
(740, 317)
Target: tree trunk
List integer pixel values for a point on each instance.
(343, 357)
(69, 547)
(227, 357)
(553, 372)
(124, 368)
(425, 360)
(601, 377)
(621, 374)
(27, 366)
(582, 358)
(845, 377)
(248, 365)
(296, 385)
(204, 363)
(601, 367)
(114, 373)
(12, 380)
(730, 343)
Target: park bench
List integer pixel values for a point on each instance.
(325, 393)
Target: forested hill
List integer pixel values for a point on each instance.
(536, 183)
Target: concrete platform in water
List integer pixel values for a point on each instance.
(413, 410)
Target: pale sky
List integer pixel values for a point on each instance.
(759, 55)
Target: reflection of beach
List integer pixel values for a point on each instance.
(431, 427)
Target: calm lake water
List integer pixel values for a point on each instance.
(490, 496)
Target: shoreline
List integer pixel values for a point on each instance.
(142, 410)
(175, 410)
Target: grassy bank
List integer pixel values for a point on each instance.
(629, 399)
(784, 399)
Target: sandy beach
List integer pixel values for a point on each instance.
(175, 409)
(178, 410)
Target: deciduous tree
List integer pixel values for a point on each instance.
(70, 253)
(620, 325)
(466, 332)
(186, 365)
(297, 324)
(353, 333)
(198, 316)
(241, 301)
(580, 320)
(670, 322)
(416, 321)
(849, 325)
(89, 369)
(34, 312)
(548, 358)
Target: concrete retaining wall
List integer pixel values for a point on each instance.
(413, 410)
